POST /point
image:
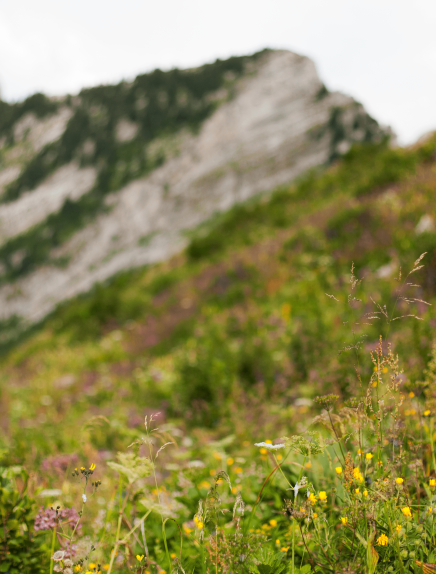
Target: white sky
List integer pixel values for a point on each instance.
(382, 52)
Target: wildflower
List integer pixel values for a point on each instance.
(359, 452)
(58, 556)
(398, 528)
(212, 472)
(382, 540)
(268, 441)
(173, 555)
(411, 394)
(369, 456)
(357, 491)
(412, 412)
(315, 515)
(204, 484)
(344, 520)
(92, 566)
(84, 498)
(312, 498)
(285, 549)
(385, 369)
(322, 496)
(308, 465)
(374, 384)
(217, 456)
(140, 558)
(365, 493)
(230, 461)
(200, 525)
(92, 467)
(273, 522)
(267, 445)
(432, 482)
(299, 485)
(338, 470)
(279, 457)
(77, 568)
(426, 413)
(406, 511)
(238, 470)
(278, 542)
(399, 480)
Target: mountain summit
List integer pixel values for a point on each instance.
(114, 177)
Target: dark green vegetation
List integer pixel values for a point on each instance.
(10, 114)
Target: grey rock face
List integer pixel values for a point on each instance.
(280, 123)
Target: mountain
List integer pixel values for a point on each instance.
(119, 177)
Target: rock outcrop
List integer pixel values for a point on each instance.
(280, 122)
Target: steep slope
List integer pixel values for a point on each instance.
(113, 179)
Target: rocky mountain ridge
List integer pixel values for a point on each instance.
(97, 208)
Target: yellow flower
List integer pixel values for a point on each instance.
(312, 498)
(212, 472)
(322, 496)
(344, 520)
(357, 491)
(411, 394)
(359, 452)
(426, 413)
(204, 484)
(238, 470)
(374, 384)
(406, 511)
(77, 568)
(398, 528)
(399, 480)
(278, 542)
(315, 515)
(92, 467)
(338, 470)
(173, 555)
(217, 455)
(273, 522)
(432, 482)
(369, 456)
(140, 558)
(92, 566)
(383, 540)
(385, 369)
(200, 525)
(285, 549)
(106, 566)
(230, 461)
(365, 493)
(412, 412)
(263, 451)
(279, 457)
(308, 465)
(268, 441)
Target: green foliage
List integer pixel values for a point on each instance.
(37, 104)
(20, 549)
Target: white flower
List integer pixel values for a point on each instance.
(84, 497)
(269, 446)
(58, 555)
(299, 485)
(308, 493)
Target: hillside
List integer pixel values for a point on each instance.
(115, 177)
(228, 344)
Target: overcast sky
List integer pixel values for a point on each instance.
(382, 52)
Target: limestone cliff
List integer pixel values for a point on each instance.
(268, 124)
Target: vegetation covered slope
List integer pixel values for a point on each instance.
(231, 342)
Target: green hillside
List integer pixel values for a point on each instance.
(273, 303)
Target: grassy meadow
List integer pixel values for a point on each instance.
(262, 403)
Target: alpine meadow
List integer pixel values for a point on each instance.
(218, 334)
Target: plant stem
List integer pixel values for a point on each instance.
(53, 540)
